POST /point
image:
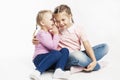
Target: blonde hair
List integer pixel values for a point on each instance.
(40, 16)
(63, 8)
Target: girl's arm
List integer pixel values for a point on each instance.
(48, 41)
(81, 34)
(90, 53)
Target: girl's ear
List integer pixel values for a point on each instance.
(41, 23)
(70, 17)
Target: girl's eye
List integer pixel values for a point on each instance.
(63, 19)
(57, 21)
(51, 19)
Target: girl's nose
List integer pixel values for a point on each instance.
(61, 23)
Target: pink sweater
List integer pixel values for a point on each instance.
(47, 42)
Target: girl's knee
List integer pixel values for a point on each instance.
(56, 53)
(64, 51)
(105, 48)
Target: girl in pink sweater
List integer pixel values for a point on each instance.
(46, 53)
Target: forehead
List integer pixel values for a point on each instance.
(61, 15)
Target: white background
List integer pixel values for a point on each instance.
(100, 18)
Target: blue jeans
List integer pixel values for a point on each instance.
(45, 61)
(80, 58)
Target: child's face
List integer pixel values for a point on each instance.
(62, 20)
(48, 20)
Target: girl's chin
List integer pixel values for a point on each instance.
(62, 28)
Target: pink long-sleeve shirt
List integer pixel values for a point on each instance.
(47, 42)
(72, 37)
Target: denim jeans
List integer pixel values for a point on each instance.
(80, 58)
(45, 61)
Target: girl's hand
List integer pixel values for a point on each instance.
(54, 30)
(91, 66)
(35, 41)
